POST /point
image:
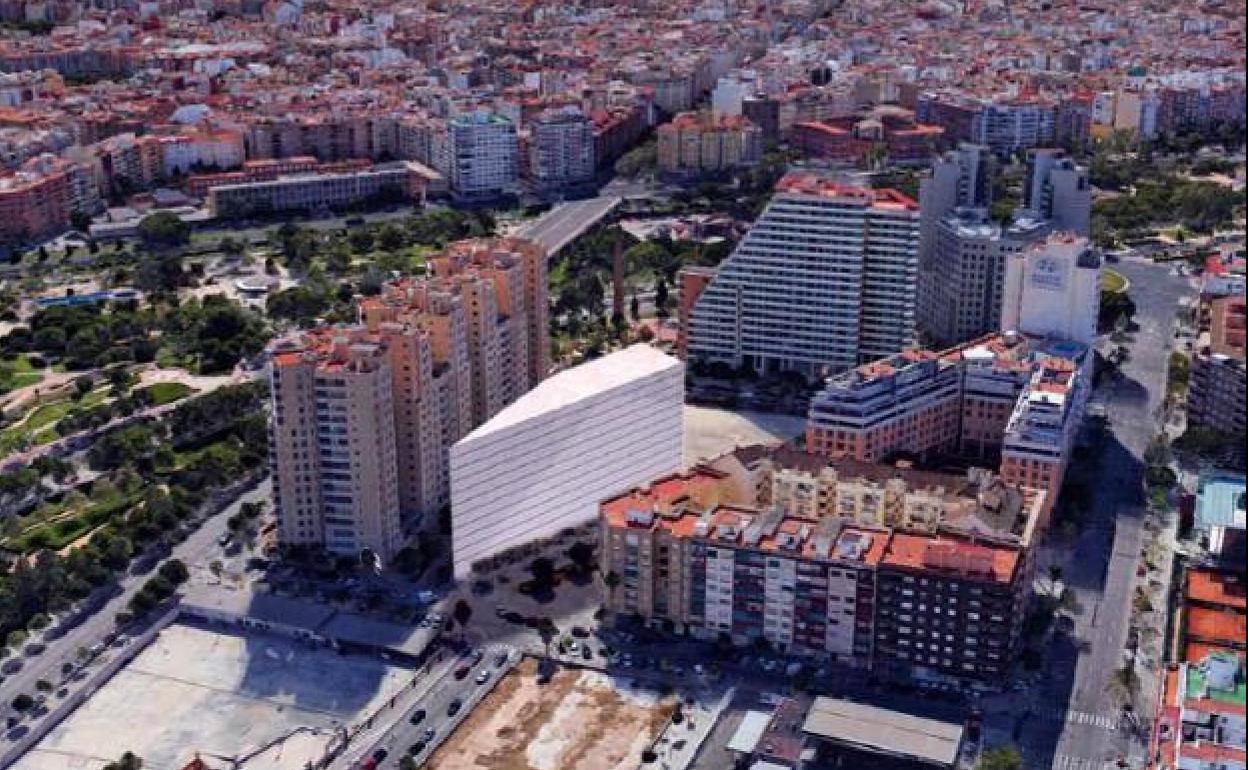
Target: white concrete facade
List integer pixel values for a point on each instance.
(545, 462)
(1053, 290)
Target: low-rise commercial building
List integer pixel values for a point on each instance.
(401, 181)
(543, 463)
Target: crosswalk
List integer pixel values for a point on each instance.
(1103, 721)
(1063, 762)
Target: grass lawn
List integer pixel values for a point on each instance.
(1111, 280)
(58, 531)
(18, 373)
(162, 393)
(41, 420)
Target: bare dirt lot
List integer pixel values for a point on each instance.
(578, 721)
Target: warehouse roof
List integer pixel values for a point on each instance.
(888, 732)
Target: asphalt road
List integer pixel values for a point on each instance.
(565, 222)
(63, 648)
(1071, 722)
(436, 703)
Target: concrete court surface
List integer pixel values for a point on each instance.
(710, 431)
(219, 693)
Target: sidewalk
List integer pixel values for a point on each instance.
(678, 744)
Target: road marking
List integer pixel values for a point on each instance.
(1102, 721)
(1065, 762)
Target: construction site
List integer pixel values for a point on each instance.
(569, 720)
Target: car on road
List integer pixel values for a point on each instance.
(579, 633)
(455, 706)
(417, 716)
(483, 676)
(225, 539)
(462, 671)
(428, 736)
(416, 748)
(380, 754)
(477, 655)
(500, 659)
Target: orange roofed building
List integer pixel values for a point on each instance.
(1200, 721)
(715, 554)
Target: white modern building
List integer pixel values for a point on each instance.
(1052, 289)
(824, 281)
(477, 154)
(561, 148)
(546, 461)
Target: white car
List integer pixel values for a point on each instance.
(483, 676)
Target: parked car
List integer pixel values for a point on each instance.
(462, 671)
(483, 676)
(418, 716)
(500, 659)
(454, 708)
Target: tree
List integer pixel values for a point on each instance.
(1123, 684)
(128, 761)
(175, 571)
(1003, 758)
(462, 613)
(390, 237)
(163, 230)
(582, 555)
(80, 221)
(611, 580)
(547, 630)
(83, 385)
(661, 298)
(230, 246)
(543, 571)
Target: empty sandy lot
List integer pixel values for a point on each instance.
(577, 721)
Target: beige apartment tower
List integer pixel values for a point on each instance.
(364, 414)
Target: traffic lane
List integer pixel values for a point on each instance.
(439, 723)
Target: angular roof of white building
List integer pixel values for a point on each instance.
(565, 388)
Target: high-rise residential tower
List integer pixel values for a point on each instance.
(364, 415)
(963, 252)
(823, 281)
